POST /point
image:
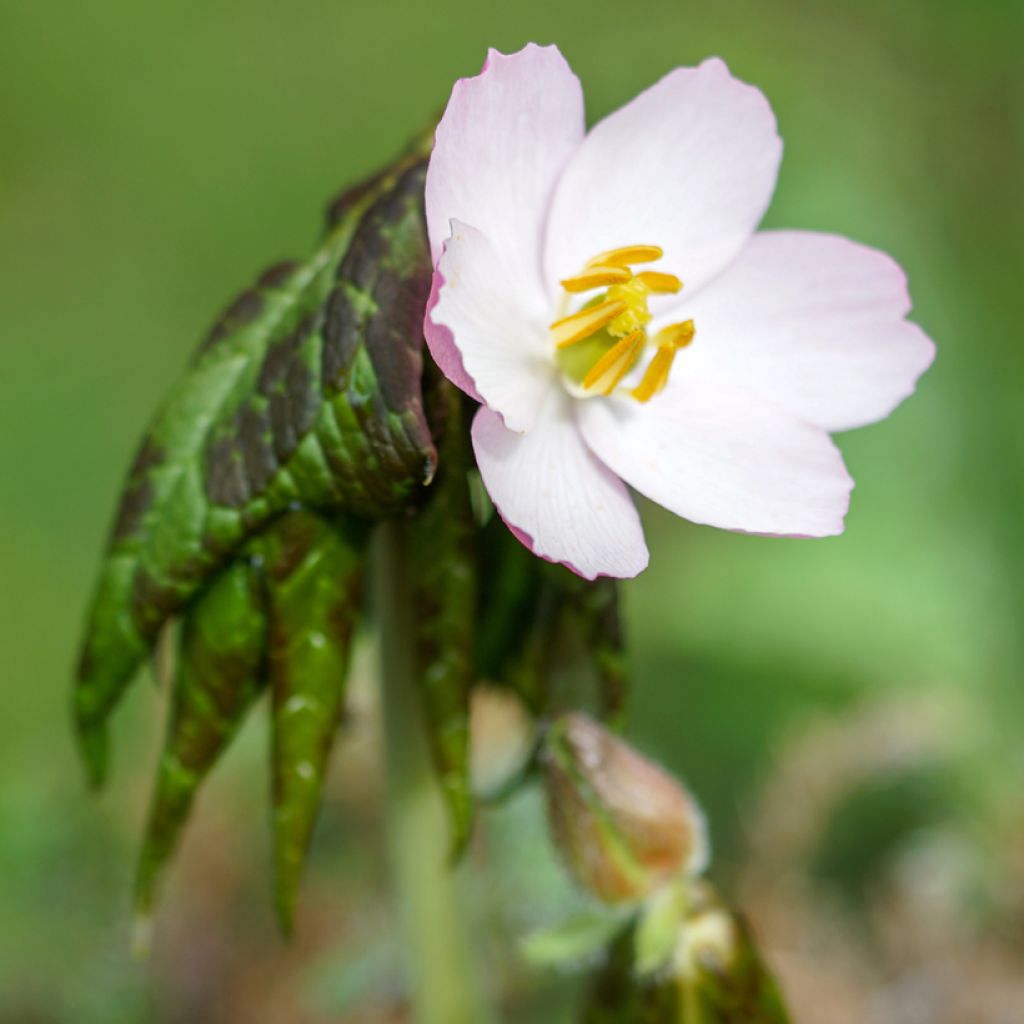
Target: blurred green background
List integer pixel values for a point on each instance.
(850, 710)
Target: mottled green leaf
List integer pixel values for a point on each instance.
(542, 628)
(508, 593)
(314, 577)
(595, 610)
(442, 572)
(306, 392)
(220, 671)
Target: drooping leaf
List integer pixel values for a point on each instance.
(508, 595)
(442, 571)
(220, 672)
(541, 624)
(314, 578)
(594, 606)
(306, 392)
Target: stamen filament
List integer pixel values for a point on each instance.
(606, 373)
(626, 255)
(586, 322)
(596, 277)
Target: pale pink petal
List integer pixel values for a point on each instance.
(506, 357)
(502, 143)
(441, 343)
(813, 322)
(689, 165)
(559, 500)
(723, 458)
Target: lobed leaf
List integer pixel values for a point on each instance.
(544, 631)
(220, 672)
(441, 550)
(314, 579)
(307, 392)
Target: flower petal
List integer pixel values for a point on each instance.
(441, 343)
(813, 322)
(723, 458)
(689, 165)
(499, 148)
(556, 497)
(475, 317)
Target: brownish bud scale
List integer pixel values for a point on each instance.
(624, 826)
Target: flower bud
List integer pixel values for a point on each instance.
(709, 971)
(623, 825)
(720, 976)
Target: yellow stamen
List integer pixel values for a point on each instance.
(596, 277)
(626, 255)
(606, 373)
(676, 336)
(656, 281)
(655, 376)
(669, 342)
(586, 322)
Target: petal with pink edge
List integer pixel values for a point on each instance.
(499, 148)
(723, 458)
(689, 165)
(558, 499)
(504, 352)
(814, 323)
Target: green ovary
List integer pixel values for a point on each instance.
(575, 361)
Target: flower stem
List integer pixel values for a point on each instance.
(442, 985)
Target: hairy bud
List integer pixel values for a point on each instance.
(624, 826)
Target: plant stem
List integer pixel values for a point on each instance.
(442, 987)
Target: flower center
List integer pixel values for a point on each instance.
(603, 340)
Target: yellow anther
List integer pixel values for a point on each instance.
(626, 255)
(655, 376)
(676, 336)
(596, 277)
(656, 281)
(669, 342)
(606, 373)
(586, 322)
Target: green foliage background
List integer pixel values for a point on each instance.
(155, 156)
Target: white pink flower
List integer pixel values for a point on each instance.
(606, 298)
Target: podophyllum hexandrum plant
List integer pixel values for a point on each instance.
(312, 464)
